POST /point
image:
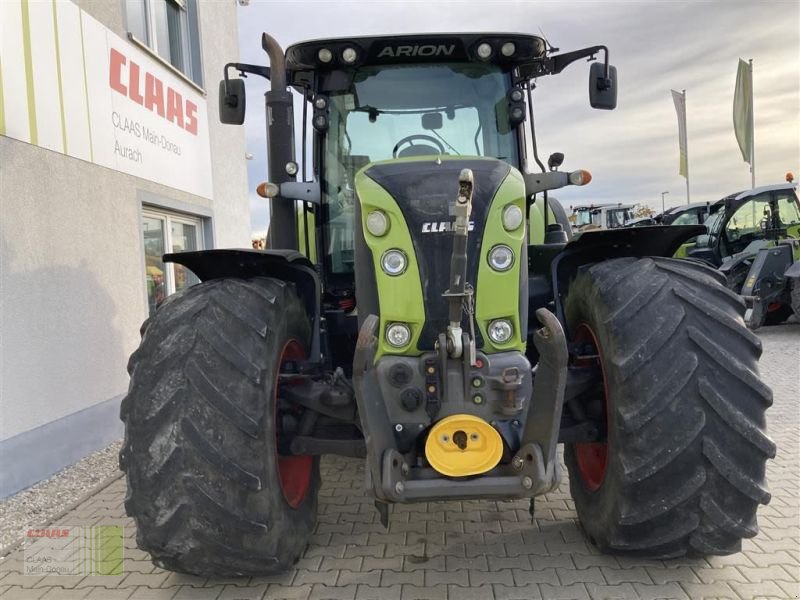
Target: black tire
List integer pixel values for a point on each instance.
(685, 409)
(200, 452)
(794, 290)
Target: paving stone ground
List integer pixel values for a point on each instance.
(474, 549)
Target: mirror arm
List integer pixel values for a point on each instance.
(246, 68)
(305, 191)
(559, 62)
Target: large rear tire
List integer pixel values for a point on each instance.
(682, 470)
(207, 486)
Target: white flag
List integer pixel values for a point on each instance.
(743, 111)
(680, 107)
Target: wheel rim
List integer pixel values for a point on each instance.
(294, 472)
(592, 457)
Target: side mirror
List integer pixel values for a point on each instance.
(555, 160)
(232, 101)
(602, 89)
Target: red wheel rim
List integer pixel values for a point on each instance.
(294, 472)
(592, 458)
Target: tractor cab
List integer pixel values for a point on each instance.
(752, 219)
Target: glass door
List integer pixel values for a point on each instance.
(166, 232)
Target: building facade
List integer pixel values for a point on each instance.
(111, 154)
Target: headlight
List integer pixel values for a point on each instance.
(377, 223)
(398, 335)
(512, 217)
(500, 331)
(393, 262)
(501, 258)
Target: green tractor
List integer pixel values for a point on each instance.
(423, 307)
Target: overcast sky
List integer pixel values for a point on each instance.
(632, 152)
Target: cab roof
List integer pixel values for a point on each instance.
(507, 49)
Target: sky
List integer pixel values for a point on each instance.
(632, 152)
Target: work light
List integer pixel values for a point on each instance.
(349, 55)
(484, 50)
(393, 262)
(501, 257)
(398, 335)
(508, 49)
(325, 55)
(500, 331)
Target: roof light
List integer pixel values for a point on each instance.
(484, 50)
(325, 55)
(349, 55)
(508, 49)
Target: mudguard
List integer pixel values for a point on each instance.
(793, 272)
(596, 246)
(288, 265)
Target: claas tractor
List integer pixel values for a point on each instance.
(754, 239)
(423, 307)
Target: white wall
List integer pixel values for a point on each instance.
(72, 282)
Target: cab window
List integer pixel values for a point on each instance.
(747, 218)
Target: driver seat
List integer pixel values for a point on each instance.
(418, 150)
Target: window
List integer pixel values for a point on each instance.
(169, 28)
(788, 208)
(164, 233)
(381, 113)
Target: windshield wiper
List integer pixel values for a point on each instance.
(434, 132)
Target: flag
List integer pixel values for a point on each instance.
(743, 111)
(680, 107)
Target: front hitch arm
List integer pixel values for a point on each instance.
(537, 460)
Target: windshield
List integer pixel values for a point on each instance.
(406, 111)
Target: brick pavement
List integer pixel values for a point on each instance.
(473, 549)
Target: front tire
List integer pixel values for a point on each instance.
(209, 490)
(682, 470)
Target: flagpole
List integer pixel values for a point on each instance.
(686, 129)
(752, 130)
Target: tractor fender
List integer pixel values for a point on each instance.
(596, 246)
(286, 265)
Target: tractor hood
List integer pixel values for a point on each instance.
(418, 198)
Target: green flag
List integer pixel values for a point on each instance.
(743, 110)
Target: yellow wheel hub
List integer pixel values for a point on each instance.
(461, 445)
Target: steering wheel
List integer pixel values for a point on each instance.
(409, 139)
